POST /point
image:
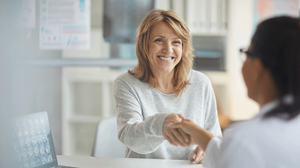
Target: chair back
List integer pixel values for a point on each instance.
(106, 143)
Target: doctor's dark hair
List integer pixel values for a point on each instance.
(277, 43)
(142, 71)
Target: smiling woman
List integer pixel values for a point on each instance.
(163, 34)
(165, 50)
(162, 84)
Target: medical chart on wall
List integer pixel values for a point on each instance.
(264, 9)
(65, 24)
(27, 14)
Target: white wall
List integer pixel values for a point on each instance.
(37, 88)
(239, 35)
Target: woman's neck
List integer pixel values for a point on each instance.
(165, 82)
(268, 91)
(267, 100)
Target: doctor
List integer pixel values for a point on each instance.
(272, 76)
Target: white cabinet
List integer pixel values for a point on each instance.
(87, 97)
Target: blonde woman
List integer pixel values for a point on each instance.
(162, 84)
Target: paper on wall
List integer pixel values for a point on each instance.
(64, 24)
(27, 14)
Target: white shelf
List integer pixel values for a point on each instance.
(87, 62)
(84, 119)
(87, 98)
(208, 33)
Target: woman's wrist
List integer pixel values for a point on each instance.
(203, 137)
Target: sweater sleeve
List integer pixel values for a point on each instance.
(141, 136)
(211, 123)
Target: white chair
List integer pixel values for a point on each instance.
(106, 143)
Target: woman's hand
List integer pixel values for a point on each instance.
(175, 136)
(189, 127)
(197, 134)
(197, 155)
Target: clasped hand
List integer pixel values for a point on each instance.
(175, 136)
(181, 136)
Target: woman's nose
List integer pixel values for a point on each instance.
(168, 48)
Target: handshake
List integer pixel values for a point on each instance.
(179, 131)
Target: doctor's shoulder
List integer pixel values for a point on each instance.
(249, 130)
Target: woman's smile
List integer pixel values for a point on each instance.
(165, 49)
(165, 58)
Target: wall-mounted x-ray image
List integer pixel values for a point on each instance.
(122, 18)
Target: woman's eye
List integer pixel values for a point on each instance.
(158, 40)
(177, 42)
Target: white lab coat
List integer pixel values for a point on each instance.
(257, 143)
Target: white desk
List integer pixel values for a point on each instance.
(103, 162)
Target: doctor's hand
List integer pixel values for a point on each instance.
(188, 127)
(197, 155)
(197, 134)
(175, 136)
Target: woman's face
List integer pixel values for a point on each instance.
(246, 70)
(252, 72)
(165, 49)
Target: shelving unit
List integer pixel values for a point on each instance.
(87, 93)
(209, 18)
(87, 98)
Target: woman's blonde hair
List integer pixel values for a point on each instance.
(142, 71)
